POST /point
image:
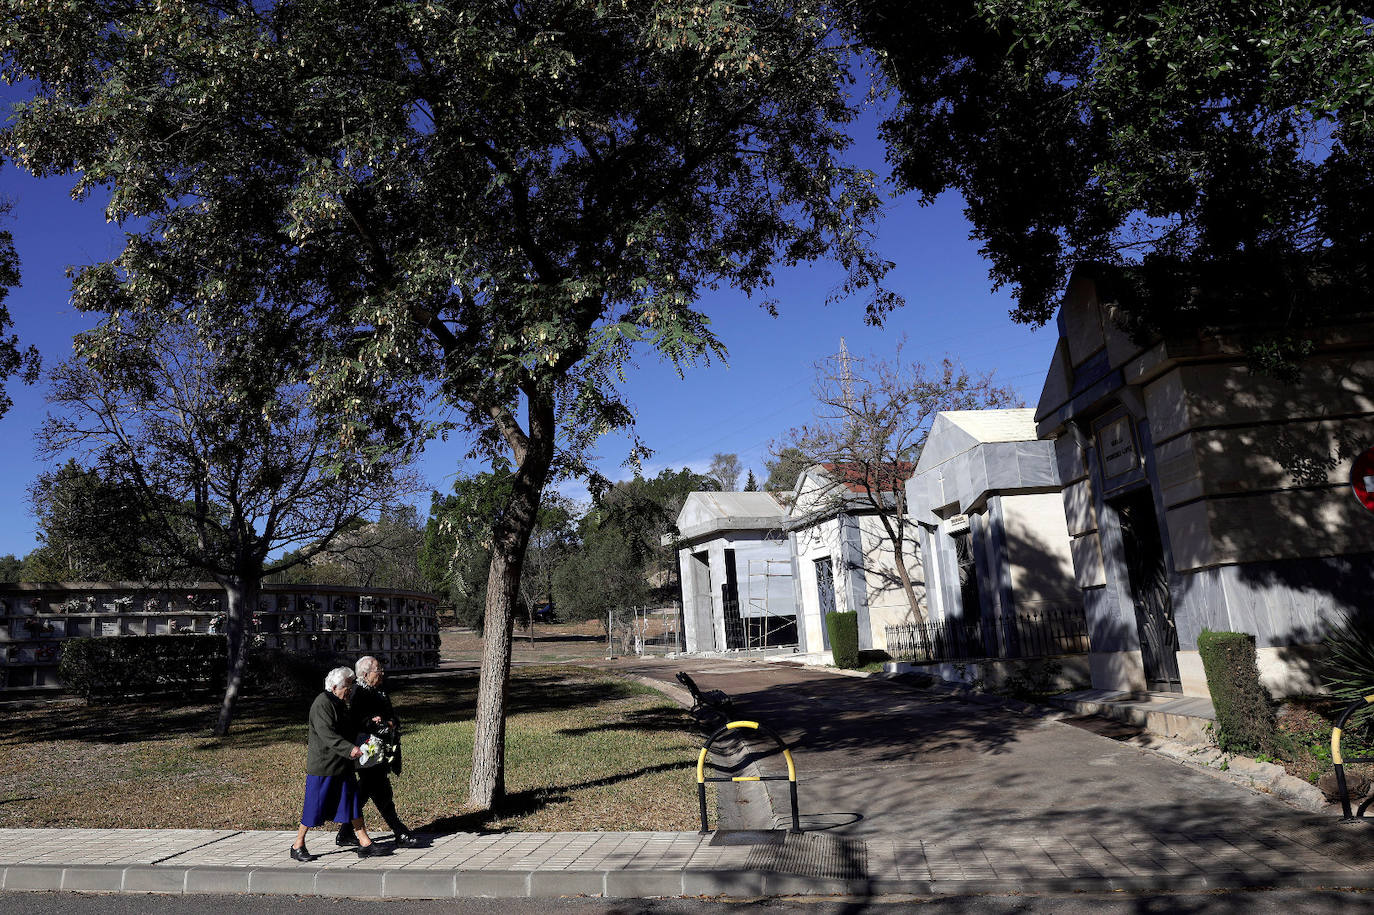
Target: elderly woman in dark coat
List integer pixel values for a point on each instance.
(330, 790)
(374, 713)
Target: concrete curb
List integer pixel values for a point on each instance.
(619, 884)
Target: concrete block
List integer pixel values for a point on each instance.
(723, 883)
(1300, 793)
(93, 879)
(498, 884)
(567, 883)
(1069, 457)
(1291, 670)
(1192, 674)
(418, 884)
(298, 881)
(1035, 464)
(1167, 407)
(1232, 395)
(1288, 525)
(32, 877)
(1262, 773)
(639, 884)
(1080, 320)
(1191, 537)
(1088, 569)
(1178, 470)
(1056, 389)
(1080, 515)
(217, 880)
(341, 882)
(797, 885)
(1121, 349)
(1117, 670)
(153, 879)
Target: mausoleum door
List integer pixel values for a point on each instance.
(825, 595)
(1149, 582)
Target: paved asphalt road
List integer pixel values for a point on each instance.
(1278, 902)
(884, 759)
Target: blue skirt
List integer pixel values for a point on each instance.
(330, 797)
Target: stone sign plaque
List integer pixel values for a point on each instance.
(1117, 449)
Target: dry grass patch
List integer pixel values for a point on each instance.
(554, 643)
(585, 751)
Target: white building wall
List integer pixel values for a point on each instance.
(818, 541)
(1038, 553)
(887, 601)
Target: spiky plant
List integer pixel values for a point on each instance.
(1349, 667)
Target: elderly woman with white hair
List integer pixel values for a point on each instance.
(330, 790)
(374, 713)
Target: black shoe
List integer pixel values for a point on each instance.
(369, 851)
(300, 854)
(406, 840)
(346, 840)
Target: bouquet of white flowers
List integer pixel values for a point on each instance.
(374, 752)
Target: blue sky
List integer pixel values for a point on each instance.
(741, 406)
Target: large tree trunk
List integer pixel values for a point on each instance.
(240, 601)
(917, 614)
(898, 540)
(510, 539)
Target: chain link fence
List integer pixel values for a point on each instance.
(644, 631)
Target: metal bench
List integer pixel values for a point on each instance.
(711, 702)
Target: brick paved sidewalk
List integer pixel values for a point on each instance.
(998, 857)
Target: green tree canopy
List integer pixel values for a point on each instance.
(211, 451)
(787, 464)
(505, 198)
(620, 560)
(1216, 157)
(14, 359)
(91, 527)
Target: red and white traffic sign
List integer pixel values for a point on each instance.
(1362, 478)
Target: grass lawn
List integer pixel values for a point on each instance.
(585, 751)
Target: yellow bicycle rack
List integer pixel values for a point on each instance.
(1340, 762)
(702, 778)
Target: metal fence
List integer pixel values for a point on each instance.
(1033, 635)
(644, 631)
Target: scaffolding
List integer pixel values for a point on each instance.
(757, 625)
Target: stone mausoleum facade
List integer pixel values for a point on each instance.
(737, 572)
(1203, 494)
(986, 497)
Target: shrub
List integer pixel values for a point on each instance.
(843, 629)
(277, 673)
(114, 667)
(1245, 713)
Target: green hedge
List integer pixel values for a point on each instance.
(1245, 712)
(280, 673)
(111, 668)
(843, 629)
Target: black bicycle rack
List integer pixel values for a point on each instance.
(1341, 787)
(702, 778)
